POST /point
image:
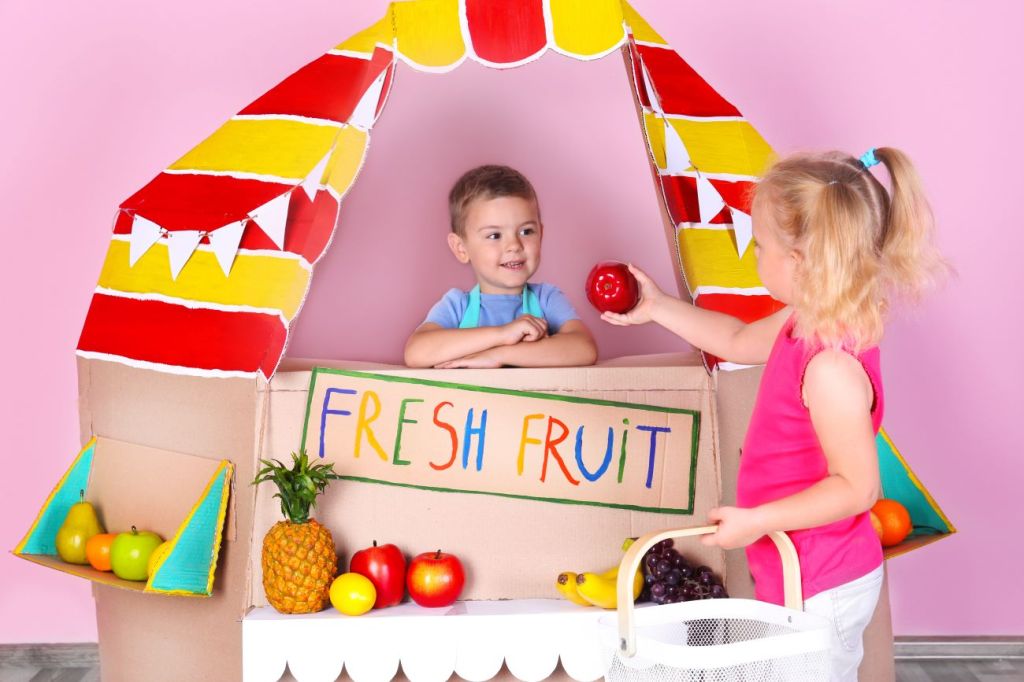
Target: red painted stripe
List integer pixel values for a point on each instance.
(199, 202)
(738, 194)
(386, 90)
(329, 87)
(506, 31)
(183, 337)
(638, 76)
(747, 308)
(681, 89)
(310, 225)
(681, 198)
(309, 228)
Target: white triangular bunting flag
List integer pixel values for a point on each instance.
(272, 217)
(677, 159)
(365, 112)
(742, 227)
(145, 233)
(312, 182)
(708, 198)
(224, 241)
(652, 94)
(180, 246)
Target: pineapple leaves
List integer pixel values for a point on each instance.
(298, 486)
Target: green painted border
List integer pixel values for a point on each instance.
(694, 435)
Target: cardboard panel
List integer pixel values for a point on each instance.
(456, 437)
(512, 548)
(180, 497)
(143, 637)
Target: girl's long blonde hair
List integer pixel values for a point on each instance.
(860, 246)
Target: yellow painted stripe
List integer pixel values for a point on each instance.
(655, 127)
(642, 31)
(60, 484)
(366, 40)
(256, 280)
(429, 33)
(709, 259)
(347, 159)
(284, 148)
(723, 146)
(916, 481)
(586, 27)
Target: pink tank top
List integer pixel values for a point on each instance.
(781, 456)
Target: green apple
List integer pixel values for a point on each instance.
(129, 554)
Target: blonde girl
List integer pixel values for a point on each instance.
(837, 249)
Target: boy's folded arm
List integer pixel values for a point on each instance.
(572, 346)
(432, 344)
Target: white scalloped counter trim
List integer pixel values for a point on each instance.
(470, 639)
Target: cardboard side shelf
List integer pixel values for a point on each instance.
(180, 497)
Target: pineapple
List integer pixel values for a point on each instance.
(298, 559)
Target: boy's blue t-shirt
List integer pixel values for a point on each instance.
(499, 309)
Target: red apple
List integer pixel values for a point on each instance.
(435, 579)
(611, 287)
(385, 567)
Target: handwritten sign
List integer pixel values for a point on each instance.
(474, 439)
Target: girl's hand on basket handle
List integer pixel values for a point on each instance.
(737, 527)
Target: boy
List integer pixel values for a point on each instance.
(496, 228)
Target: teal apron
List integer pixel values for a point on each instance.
(471, 318)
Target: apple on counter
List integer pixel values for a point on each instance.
(384, 565)
(435, 579)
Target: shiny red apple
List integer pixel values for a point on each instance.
(435, 579)
(611, 287)
(384, 565)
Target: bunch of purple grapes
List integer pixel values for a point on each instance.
(668, 578)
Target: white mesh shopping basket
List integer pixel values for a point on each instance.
(714, 640)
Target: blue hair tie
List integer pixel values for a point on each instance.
(867, 159)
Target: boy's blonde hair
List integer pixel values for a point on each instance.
(861, 246)
(486, 182)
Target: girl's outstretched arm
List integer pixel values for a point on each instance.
(839, 395)
(717, 333)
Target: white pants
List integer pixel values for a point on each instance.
(848, 608)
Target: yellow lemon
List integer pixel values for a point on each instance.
(353, 594)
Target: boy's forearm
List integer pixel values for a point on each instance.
(432, 347)
(574, 349)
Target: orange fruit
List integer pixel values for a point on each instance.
(97, 550)
(894, 520)
(877, 525)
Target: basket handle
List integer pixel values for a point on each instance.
(634, 555)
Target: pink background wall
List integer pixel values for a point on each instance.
(99, 98)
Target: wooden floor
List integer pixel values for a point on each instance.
(936, 670)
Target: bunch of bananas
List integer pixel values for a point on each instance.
(596, 589)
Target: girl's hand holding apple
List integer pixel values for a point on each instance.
(641, 313)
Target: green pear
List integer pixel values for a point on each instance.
(79, 525)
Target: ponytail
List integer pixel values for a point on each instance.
(862, 247)
(910, 262)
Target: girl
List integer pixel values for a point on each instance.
(836, 248)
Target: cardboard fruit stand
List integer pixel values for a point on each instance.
(183, 383)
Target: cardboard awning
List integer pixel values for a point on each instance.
(210, 262)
